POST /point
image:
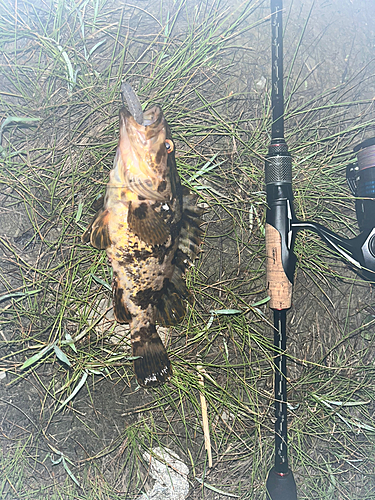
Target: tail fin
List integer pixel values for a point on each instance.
(153, 367)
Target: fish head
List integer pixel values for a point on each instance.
(145, 155)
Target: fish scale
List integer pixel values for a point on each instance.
(150, 228)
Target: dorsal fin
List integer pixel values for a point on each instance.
(191, 232)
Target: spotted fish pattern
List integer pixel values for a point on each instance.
(149, 226)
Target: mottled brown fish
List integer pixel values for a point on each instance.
(150, 228)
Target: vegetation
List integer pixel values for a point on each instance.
(73, 422)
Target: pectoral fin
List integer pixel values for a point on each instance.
(191, 232)
(97, 206)
(147, 224)
(97, 232)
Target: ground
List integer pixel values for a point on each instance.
(74, 424)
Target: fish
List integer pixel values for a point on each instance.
(150, 227)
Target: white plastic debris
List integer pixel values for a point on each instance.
(170, 475)
(261, 83)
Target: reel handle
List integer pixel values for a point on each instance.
(359, 251)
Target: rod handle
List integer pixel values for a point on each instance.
(281, 486)
(279, 286)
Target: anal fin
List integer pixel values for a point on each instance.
(120, 310)
(171, 307)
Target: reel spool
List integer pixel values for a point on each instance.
(360, 177)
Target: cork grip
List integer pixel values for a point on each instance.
(278, 285)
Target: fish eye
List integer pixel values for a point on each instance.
(169, 145)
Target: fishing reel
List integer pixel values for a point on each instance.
(360, 177)
(358, 251)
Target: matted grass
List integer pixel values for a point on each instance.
(74, 424)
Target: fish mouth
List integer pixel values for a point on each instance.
(143, 152)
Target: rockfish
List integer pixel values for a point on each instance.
(149, 226)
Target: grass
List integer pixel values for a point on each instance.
(74, 414)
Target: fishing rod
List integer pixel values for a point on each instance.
(281, 228)
(280, 260)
